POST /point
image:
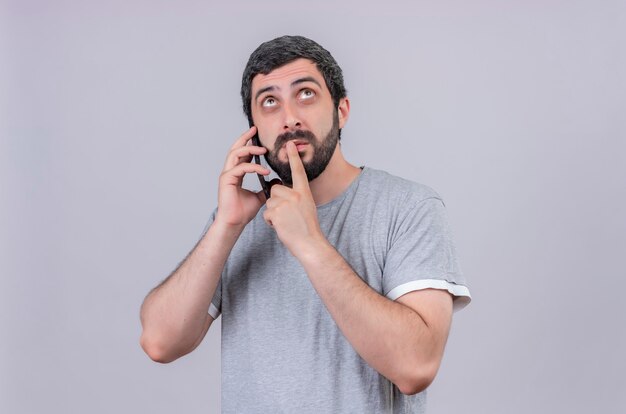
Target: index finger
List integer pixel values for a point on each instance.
(244, 138)
(298, 174)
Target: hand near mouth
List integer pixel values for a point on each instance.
(292, 211)
(299, 143)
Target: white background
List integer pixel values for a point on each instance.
(115, 118)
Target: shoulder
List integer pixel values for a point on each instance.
(397, 189)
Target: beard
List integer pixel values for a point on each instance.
(322, 152)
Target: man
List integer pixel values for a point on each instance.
(337, 292)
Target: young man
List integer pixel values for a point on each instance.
(337, 292)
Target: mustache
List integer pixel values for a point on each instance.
(282, 139)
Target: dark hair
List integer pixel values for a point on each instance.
(282, 50)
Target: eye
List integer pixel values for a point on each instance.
(306, 94)
(269, 102)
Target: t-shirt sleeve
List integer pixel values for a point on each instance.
(215, 308)
(422, 254)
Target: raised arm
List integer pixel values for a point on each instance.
(174, 315)
(403, 340)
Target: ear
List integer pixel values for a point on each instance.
(343, 111)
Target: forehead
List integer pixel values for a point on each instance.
(285, 74)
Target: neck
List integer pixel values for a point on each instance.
(337, 176)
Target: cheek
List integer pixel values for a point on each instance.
(266, 138)
(267, 134)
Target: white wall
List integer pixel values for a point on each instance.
(115, 118)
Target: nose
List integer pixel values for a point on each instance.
(291, 120)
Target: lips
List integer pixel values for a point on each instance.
(300, 143)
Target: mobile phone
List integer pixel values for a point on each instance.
(265, 185)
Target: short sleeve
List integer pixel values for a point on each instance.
(215, 308)
(422, 254)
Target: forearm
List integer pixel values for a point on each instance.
(390, 337)
(174, 315)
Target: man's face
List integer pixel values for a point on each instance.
(292, 103)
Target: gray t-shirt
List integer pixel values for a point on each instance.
(281, 350)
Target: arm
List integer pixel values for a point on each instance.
(402, 340)
(174, 315)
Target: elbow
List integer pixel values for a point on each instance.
(417, 380)
(411, 387)
(155, 350)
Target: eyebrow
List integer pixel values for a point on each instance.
(294, 83)
(306, 79)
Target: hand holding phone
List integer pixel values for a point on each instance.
(237, 205)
